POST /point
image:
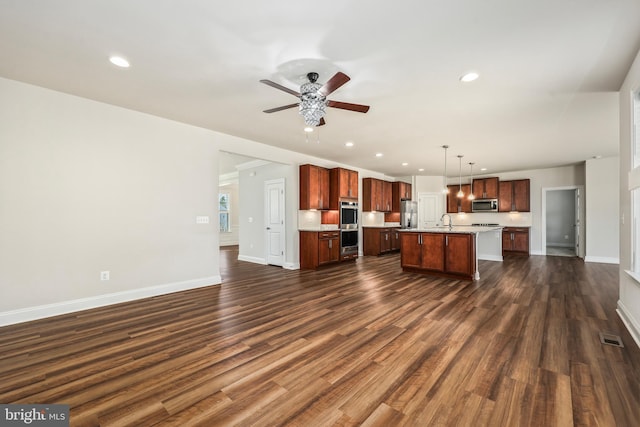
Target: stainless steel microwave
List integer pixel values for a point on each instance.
(484, 205)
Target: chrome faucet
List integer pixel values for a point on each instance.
(442, 219)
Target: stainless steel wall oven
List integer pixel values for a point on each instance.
(348, 228)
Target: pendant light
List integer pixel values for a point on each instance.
(460, 193)
(445, 189)
(471, 196)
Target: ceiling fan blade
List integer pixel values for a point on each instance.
(284, 107)
(334, 83)
(322, 122)
(348, 106)
(279, 86)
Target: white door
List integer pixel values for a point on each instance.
(274, 222)
(429, 209)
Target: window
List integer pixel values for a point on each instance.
(634, 187)
(223, 208)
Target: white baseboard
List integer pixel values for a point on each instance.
(490, 257)
(633, 325)
(561, 245)
(64, 307)
(291, 265)
(252, 259)
(602, 259)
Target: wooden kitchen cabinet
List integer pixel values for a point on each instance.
(318, 248)
(515, 241)
(376, 195)
(378, 241)
(314, 187)
(515, 196)
(448, 254)
(456, 205)
(486, 188)
(344, 185)
(399, 191)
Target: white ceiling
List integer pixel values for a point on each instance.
(546, 96)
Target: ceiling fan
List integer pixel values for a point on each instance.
(313, 98)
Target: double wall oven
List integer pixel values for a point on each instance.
(348, 229)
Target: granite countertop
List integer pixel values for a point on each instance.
(385, 225)
(321, 227)
(464, 229)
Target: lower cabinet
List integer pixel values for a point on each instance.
(448, 254)
(378, 241)
(319, 248)
(515, 241)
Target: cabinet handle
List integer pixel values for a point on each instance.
(330, 244)
(446, 240)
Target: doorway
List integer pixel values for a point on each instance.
(562, 224)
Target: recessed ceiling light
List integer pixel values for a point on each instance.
(597, 156)
(378, 154)
(483, 169)
(421, 170)
(348, 144)
(405, 164)
(119, 61)
(308, 129)
(469, 77)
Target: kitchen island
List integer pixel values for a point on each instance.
(443, 251)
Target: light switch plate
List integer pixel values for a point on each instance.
(202, 220)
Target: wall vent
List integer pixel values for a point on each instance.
(611, 339)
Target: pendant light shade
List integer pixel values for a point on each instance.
(445, 189)
(460, 193)
(471, 195)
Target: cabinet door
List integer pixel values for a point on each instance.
(328, 250)
(465, 203)
(452, 200)
(371, 241)
(433, 251)
(505, 199)
(395, 239)
(352, 191)
(387, 194)
(506, 240)
(521, 198)
(459, 253)
(385, 241)
(411, 252)
(491, 188)
(314, 187)
(520, 242)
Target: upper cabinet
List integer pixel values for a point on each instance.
(376, 195)
(485, 188)
(314, 187)
(399, 191)
(515, 196)
(456, 204)
(344, 185)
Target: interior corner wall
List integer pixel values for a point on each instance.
(629, 302)
(602, 201)
(87, 187)
(252, 212)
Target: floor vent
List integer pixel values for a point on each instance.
(610, 339)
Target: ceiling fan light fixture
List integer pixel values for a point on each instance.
(313, 105)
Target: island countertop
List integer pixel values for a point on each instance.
(465, 229)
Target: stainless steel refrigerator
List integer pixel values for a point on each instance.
(408, 214)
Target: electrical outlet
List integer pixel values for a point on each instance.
(104, 275)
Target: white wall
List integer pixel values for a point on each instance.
(602, 203)
(87, 187)
(629, 302)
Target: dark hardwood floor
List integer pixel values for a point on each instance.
(356, 344)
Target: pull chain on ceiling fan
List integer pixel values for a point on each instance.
(313, 98)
